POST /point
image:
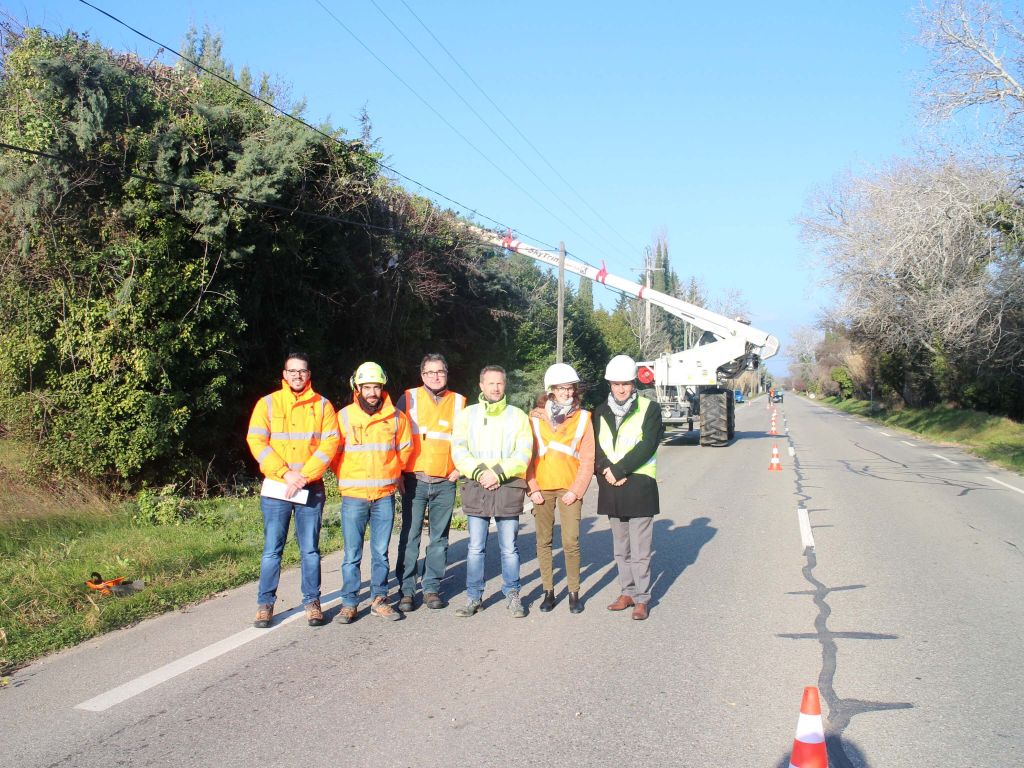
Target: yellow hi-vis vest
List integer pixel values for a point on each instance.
(373, 450)
(556, 457)
(631, 432)
(432, 431)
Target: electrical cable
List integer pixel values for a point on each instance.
(490, 128)
(300, 121)
(515, 127)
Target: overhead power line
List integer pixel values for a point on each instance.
(515, 127)
(313, 128)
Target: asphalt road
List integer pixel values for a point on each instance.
(907, 614)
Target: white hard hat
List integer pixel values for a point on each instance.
(560, 373)
(620, 368)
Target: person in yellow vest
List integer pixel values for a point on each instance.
(563, 463)
(628, 430)
(428, 483)
(293, 434)
(376, 443)
(492, 445)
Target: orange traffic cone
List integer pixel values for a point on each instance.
(771, 430)
(809, 745)
(775, 465)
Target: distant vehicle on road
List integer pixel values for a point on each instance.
(738, 394)
(778, 396)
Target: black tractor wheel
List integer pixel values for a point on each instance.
(714, 417)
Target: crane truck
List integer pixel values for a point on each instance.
(692, 387)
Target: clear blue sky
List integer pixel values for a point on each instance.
(713, 126)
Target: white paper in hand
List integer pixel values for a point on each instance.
(273, 489)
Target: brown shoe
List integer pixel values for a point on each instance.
(622, 603)
(347, 614)
(433, 601)
(406, 604)
(381, 607)
(264, 616)
(640, 611)
(314, 616)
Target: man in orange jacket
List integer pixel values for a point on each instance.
(375, 445)
(428, 483)
(293, 434)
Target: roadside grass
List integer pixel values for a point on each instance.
(53, 538)
(995, 438)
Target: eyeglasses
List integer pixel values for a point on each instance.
(563, 389)
(297, 371)
(434, 373)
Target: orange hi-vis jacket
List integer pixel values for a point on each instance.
(563, 458)
(289, 430)
(432, 424)
(373, 450)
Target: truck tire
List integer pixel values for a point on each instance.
(731, 417)
(714, 417)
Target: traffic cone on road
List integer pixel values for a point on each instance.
(775, 465)
(809, 745)
(772, 430)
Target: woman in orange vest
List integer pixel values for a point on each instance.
(563, 463)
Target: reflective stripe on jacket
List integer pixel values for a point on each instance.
(373, 450)
(630, 433)
(432, 423)
(493, 436)
(289, 430)
(563, 457)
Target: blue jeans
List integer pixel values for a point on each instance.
(355, 515)
(419, 496)
(508, 534)
(277, 515)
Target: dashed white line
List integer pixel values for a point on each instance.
(885, 433)
(1011, 487)
(906, 443)
(168, 671)
(939, 456)
(806, 537)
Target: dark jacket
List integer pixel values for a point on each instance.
(638, 497)
(506, 501)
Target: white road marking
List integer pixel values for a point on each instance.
(792, 451)
(1011, 487)
(906, 443)
(885, 433)
(939, 456)
(168, 671)
(806, 537)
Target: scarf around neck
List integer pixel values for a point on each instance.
(559, 413)
(619, 410)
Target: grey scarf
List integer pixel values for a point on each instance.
(619, 410)
(559, 413)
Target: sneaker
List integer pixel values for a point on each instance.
(381, 607)
(347, 614)
(264, 615)
(314, 615)
(514, 604)
(471, 607)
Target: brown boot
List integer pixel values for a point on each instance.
(624, 602)
(314, 615)
(264, 616)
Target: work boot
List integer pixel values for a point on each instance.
(314, 615)
(515, 605)
(406, 604)
(471, 607)
(548, 602)
(575, 606)
(264, 616)
(347, 614)
(381, 607)
(433, 601)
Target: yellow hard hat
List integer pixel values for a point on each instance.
(368, 373)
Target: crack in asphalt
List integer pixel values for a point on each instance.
(840, 711)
